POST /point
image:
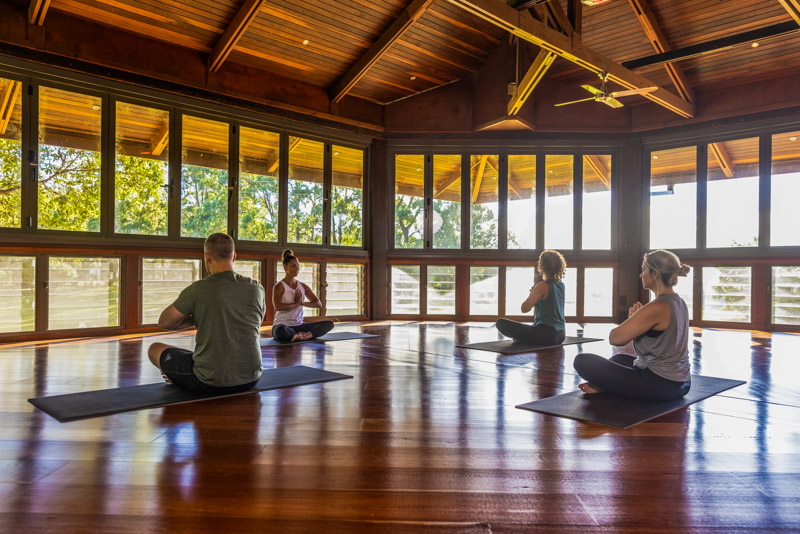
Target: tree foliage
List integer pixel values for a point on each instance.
(10, 180)
(140, 196)
(258, 207)
(305, 212)
(69, 189)
(204, 201)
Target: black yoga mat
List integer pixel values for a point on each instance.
(511, 346)
(107, 401)
(331, 336)
(623, 412)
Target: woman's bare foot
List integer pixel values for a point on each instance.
(586, 387)
(302, 336)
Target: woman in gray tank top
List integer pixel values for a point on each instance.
(660, 334)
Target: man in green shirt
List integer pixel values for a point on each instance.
(228, 310)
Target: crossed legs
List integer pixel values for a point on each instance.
(287, 334)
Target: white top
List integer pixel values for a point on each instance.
(294, 316)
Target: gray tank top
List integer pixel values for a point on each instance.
(667, 354)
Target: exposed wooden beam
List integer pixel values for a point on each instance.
(449, 180)
(7, 100)
(476, 188)
(294, 142)
(513, 187)
(394, 32)
(599, 168)
(793, 7)
(558, 16)
(656, 37)
(37, 11)
(575, 15)
(723, 158)
(526, 27)
(534, 75)
(247, 13)
(161, 140)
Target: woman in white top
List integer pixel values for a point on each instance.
(288, 298)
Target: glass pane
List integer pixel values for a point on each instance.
(483, 212)
(258, 184)
(83, 292)
(519, 281)
(204, 177)
(733, 174)
(673, 198)
(685, 288)
(141, 178)
(248, 268)
(306, 159)
(10, 154)
(17, 293)
(69, 160)
(786, 295)
(446, 201)
(558, 203)
(521, 202)
(726, 294)
(409, 173)
(347, 203)
(598, 292)
(596, 231)
(162, 281)
(345, 289)
(405, 289)
(483, 294)
(571, 292)
(785, 189)
(309, 275)
(441, 289)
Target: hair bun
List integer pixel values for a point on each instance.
(684, 270)
(288, 252)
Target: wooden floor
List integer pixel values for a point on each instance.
(425, 438)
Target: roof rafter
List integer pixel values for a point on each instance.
(526, 27)
(37, 11)
(531, 79)
(394, 32)
(599, 169)
(723, 158)
(7, 101)
(247, 13)
(793, 7)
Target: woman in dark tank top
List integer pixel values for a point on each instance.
(660, 332)
(546, 298)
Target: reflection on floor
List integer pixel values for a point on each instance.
(425, 438)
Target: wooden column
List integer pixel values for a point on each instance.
(379, 222)
(633, 223)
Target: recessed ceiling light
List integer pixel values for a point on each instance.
(793, 138)
(413, 78)
(754, 45)
(95, 107)
(655, 157)
(335, 153)
(305, 41)
(419, 169)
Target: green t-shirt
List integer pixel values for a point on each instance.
(228, 309)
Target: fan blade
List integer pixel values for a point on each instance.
(575, 101)
(593, 90)
(609, 101)
(629, 92)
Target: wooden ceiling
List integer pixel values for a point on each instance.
(385, 51)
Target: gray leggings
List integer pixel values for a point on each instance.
(619, 376)
(284, 333)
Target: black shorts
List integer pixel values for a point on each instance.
(178, 365)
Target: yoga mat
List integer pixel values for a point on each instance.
(331, 336)
(107, 401)
(624, 412)
(510, 346)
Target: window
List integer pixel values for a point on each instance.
(446, 201)
(69, 160)
(17, 293)
(558, 204)
(306, 160)
(441, 289)
(786, 295)
(598, 284)
(347, 198)
(141, 179)
(483, 213)
(258, 184)
(249, 268)
(785, 189)
(409, 193)
(685, 288)
(521, 202)
(596, 232)
(162, 281)
(204, 177)
(571, 292)
(483, 290)
(405, 289)
(673, 198)
(10, 154)
(726, 294)
(83, 292)
(345, 289)
(732, 174)
(519, 281)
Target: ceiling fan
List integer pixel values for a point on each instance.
(606, 97)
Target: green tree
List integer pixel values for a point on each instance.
(141, 198)
(10, 181)
(69, 189)
(407, 231)
(305, 212)
(258, 207)
(346, 210)
(204, 201)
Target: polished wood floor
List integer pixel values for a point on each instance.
(425, 438)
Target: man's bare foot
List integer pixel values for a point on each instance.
(166, 378)
(586, 387)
